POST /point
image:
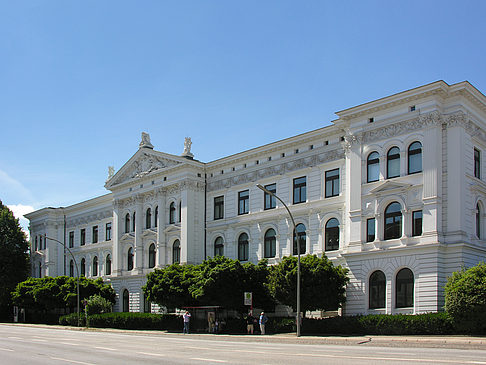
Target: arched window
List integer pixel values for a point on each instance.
(133, 222)
(404, 288)
(126, 301)
(377, 290)
(71, 268)
(127, 223)
(172, 212)
(218, 247)
(176, 252)
(83, 267)
(130, 259)
(152, 255)
(393, 163)
(108, 265)
(373, 167)
(94, 269)
(478, 221)
(180, 211)
(393, 221)
(300, 235)
(243, 247)
(156, 216)
(415, 158)
(270, 244)
(332, 235)
(148, 219)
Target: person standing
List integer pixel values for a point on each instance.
(186, 317)
(263, 320)
(249, 323)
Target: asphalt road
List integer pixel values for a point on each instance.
(37, 345)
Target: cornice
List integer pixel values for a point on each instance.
(90, 217)
(226, 182)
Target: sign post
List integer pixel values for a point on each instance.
(248, 299)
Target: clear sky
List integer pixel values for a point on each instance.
(80, 80)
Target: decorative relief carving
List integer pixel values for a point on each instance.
(144, 165)
(253, 176)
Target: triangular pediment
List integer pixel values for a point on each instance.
(143, 163)
(389, 186)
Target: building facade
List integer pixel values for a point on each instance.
(393, 189)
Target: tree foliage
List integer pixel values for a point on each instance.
(96, 304)
(52, 293)
(169, 286)
(217, 281)
(322, 283)
(14, 258)
(465, 299)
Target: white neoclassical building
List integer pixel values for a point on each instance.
(394, 189)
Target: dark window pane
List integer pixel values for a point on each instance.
(176, 252)
(332, 235)
(417, 223)
(219, 207)
(269, 201)
(243, 247)
(332, 183)
(300, 230)
(393, 163)
(477, 163)
(415, 158)
(393, 221)
(377, 290)
(152, 255)
(218, 247)
(404, 289)
(300, 194)
(370, 230)
(243, 202)
(270, 244)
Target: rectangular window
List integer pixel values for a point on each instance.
(108, 231)
(95, 234)
(417, 223)
(82, 237)
(243, 202)
(370, 229)
(71, 239)
(269, 200)
(300, 194)
(477, 163)
(332, 183)
(219, 207)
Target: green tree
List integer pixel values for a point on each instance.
(54, 293)
(323, 285)
(219, 281)
(14, 258)
(465, 299)
(169, 287)
(97, 304)
(256, 281)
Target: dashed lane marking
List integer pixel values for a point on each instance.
(150, 354)
(209, 360)
(72, 361)
(4, 349)
(105, 348)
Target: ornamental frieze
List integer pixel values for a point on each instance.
(253, 176)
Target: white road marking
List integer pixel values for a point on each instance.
(15, 338)
(150, 354)
(69, 343)
(3, 349)
(197, 348)
(105, 348)
(73, 361)
(38, 340)
(210, 360)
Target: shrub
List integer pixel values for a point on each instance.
(97, 304)
(72, 320)
(465, 299)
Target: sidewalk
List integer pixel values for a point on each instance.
(458, 342)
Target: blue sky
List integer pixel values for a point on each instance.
(80, 80)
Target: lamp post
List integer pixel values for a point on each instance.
(75, 264)
(261, 187)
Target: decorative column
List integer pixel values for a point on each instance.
(117, 233)
(352, 193)
(138, 233)
(161, 219)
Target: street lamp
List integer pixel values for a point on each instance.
(75, 264)
(261, 187)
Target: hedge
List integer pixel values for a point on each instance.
(127, 320)
(382, 324)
